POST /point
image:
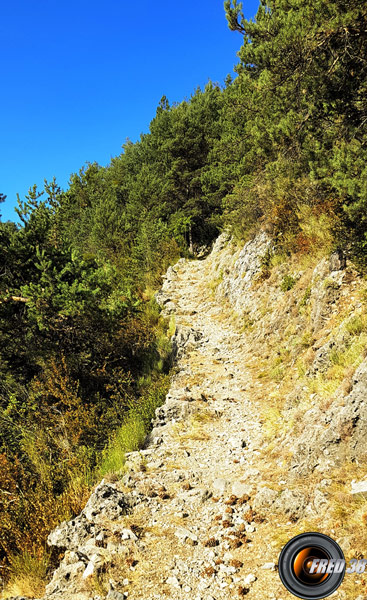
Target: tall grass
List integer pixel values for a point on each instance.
(27, 575)
(131, 434)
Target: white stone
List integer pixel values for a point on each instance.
(173, 581)
(220, 485)
(249, 579)
(359, 487)
(183, 534)
(269, 565)
(89, 570)
(240, 489)
(127, 534)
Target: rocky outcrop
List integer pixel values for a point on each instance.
(345, 423)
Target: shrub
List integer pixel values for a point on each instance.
(288, 283)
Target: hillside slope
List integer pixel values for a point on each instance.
(260, 438)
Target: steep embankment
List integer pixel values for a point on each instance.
(261, 435)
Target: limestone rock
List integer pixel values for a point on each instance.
(264, 498)
(241, 489)
(337, 261)
(359, 487)
(66, 575)
(171, 411)
(106, 503)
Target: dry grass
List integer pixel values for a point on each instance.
(196, 427)
(28, 576)
(25, 585)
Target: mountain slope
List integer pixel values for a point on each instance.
(260, 437)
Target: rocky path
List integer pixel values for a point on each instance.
(200, 535)
(190, 528)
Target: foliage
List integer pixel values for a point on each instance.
(287, 283)
(297, 115)
(76, 342)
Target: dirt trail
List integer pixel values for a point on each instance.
(200, 537)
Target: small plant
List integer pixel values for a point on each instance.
(330, 284)
(243, 500)
(265, 267)
(306, 297)
(163, 494)
(28, 575)
(214, 283)
(307, 339)
(247, 322)
(234, 543)
(242, 591)
(356, 325)
(288, 283)
(231, 500)
(131, 434)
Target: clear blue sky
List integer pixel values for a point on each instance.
(79, 77)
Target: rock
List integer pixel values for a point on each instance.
(326, 290)
(236, 442)
(184, 339)
(99, 541)
(114, 595)
(205, 495)
(64, 576)
(173, 581)
(184, 535)
(81, 534)
(337, 261)
(220, 486)
(241, 489)
(269, 566)
(325, 431)
(106, 503)
(71, 558)
(264, 498)
(290, 503)
(89, 570)
(72, 534)
(249, 579)
(127, 534)
(359, 487)
(172, 410)
(320, 501)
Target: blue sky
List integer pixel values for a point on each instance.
(78, 78)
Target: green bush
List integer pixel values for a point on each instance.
(288, 283)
